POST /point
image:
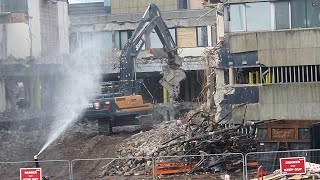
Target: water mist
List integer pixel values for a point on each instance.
(79, 81)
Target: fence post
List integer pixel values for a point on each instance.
(245, 164)
(154, 176)
(71, 170)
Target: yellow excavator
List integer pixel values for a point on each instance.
(119, 103)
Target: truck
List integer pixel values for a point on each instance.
(119, 103)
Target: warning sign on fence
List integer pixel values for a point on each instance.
(295, 165)
(30, 173)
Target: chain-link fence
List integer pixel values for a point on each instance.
(208, 166)
(113, 168)
(270, 161)
(11, 170)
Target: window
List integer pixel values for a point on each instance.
(250, 16)
(97, 41)
(124, 37)
(313, 13)
(155, 41)
(202, 37)
(73, 42)
(258, 16)
(274, 15)
(298, 14)
(282, 19)
(182, 4)
(213, 36)
(121, 38)
(13, 5)
(103, 40)
(85, 40)
(237, 17)
(107, 6)
(305, 13)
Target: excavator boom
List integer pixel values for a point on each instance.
(172, 73)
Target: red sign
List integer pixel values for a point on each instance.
(295, 165)
(30, 173)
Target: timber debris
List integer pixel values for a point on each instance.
(195, 134)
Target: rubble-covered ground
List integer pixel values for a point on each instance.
(25, 135)
(195, 134)
(22, 135)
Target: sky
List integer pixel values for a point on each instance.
(84, 1)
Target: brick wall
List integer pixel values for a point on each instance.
(49, 28)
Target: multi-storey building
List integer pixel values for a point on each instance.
(270, 60)
(103, 28)
(33, 34)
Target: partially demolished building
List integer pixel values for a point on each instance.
(33, 38)
(37, 34)
(272, 60)
(269, 66)
(104, 29)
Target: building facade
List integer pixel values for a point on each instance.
(104, 31)
(270, 60)
(33, 36)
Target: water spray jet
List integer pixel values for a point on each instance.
(80, 80)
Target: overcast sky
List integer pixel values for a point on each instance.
(83, 1)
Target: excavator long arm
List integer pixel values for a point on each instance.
(172, 73)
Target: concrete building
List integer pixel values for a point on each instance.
(270, 60)
(103, 28)
(33, 36)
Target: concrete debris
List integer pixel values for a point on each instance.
(196, 134)
(273, 176)
(143, 145)
(166, 112)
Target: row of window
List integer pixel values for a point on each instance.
(107, 40)
(274, 15)
(13, 6)
(182, 4)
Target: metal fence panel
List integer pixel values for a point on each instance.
(112, 168)
(11, 170)
(209, 166)
(270, 161)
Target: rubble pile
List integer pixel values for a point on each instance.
(195, 135)
(140, 146)
(148, 143)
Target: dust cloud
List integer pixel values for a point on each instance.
(79, 82)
